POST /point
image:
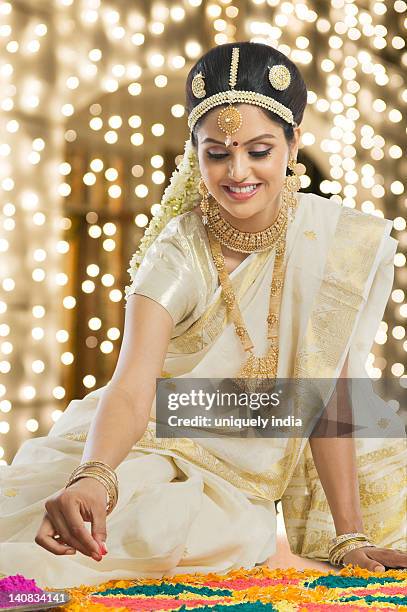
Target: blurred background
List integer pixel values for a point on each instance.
(92, 126)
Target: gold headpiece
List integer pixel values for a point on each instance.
(230, 119)
(279, 77)
(198, 86)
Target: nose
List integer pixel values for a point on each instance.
(238, 168)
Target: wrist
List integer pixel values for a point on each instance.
(90, 482)
(349, 524)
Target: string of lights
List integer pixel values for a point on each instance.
(96, 71)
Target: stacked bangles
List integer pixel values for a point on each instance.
(104, 474)
(344, 543)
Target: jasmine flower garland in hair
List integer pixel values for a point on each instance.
(181, 195)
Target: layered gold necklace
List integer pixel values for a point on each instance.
(246, 242)
(255, 367)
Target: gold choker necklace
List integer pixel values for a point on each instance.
(246, 242)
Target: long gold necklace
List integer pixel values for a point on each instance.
(246, 242)
(255, 367)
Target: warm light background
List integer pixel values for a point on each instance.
(92, 126)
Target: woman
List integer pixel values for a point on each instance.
(296, 290)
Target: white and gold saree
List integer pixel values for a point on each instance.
(209, 505)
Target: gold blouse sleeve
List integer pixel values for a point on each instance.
(166, 274)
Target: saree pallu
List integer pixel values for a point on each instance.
(208, 504)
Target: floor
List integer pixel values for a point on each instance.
(284, 558)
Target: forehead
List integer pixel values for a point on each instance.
(254, 122)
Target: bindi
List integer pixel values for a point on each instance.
(235, 143)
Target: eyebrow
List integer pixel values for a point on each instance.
(245, 143)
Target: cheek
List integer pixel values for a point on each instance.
(210, 173)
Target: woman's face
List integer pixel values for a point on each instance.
(263, 161)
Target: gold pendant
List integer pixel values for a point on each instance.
(229, 121)
(259, 367)
(261, 371)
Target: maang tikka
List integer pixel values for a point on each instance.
(229, 118)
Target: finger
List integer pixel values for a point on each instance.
(68, 549)
(71, 531)
(46, 538)
(372, 563)
(77, 529)
(360, 558)
(99, 529)
(389, 557)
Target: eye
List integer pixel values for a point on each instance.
(216, 155)
(252, 153)
(260, 153)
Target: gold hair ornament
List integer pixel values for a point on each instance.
(279, 77)
(230, 119)
(244, 97)
(198, 85)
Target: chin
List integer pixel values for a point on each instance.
(242, 210)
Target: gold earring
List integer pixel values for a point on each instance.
(204, 202)
(293, 181)
(292, 184)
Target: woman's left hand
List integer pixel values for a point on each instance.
(376, 559)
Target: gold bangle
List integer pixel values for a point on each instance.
(104, 474)
(106, 479)
(99, 465)
(343, 545)
(340, 549)
(112, 497)
(111, 489)
(86, 470)
(345, 536)
(356, 539)
(110, 486)
(337, 557)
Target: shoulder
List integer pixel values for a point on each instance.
(189, 222)
(183, 230)
(329, 210)
(181, 226)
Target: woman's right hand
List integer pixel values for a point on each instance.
(66, 511)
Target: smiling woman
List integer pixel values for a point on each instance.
(238, 276)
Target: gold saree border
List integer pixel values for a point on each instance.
(210, 325)
(340, 299)
(259, 485)
(356, 242)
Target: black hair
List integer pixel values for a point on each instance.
(255, 61)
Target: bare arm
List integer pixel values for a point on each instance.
(335, 461)
(120, 420)
(124, 407)
(336, 464)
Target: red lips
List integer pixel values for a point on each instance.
(239, 184)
